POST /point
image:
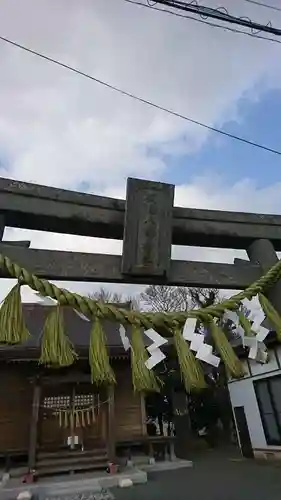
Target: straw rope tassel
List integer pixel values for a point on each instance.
(143, 378)
(246, 325)
(191, 371)
(271, 313)
(225, 350)
(101, 371)
(56, 348)
(92, 309)
(12, 324)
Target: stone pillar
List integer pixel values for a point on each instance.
(262, 252)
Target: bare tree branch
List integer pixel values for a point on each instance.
(178, 298)
(106, 296)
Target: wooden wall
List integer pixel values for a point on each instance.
(16, 393)
(15, 409)
(129, 408)
(52, 436)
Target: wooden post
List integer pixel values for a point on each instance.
(2, 226)
(34, 424)
(143, 414)
(262, 252)
(111, 425)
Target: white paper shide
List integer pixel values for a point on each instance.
(204, 351)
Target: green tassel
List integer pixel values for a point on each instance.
(56, 348)
(246, 325)
(144, 380)
(191, 371)
(12, 325)
(101, 371)
(271, 313)
(227, 354)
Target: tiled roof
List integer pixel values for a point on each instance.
(77, 329)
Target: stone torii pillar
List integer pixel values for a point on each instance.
(262, 253)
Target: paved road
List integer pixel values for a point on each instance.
(210, 480)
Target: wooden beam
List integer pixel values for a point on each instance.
(34, 425)
(148, 228)
(32, 206)
(74, 266)
(68, 378)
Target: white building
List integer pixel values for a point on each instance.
(256, 404)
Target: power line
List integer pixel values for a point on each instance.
(208, 23)
(272, 7)
(137, 98)
(220, 13)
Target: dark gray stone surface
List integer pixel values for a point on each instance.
(262, 253)
(210, 479)
(76, 266)
(32, 206)
(104, 494)
(147, 228)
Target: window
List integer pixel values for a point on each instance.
(79, 401)
(56, 402)
(268, 392)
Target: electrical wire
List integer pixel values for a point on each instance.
(272, 7)
(220, 13)
(207, 23)
(204, 17)
(137, 98)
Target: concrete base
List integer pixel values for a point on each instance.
(166, 466)
(70, 487)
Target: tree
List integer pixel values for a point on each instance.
(211, 404)
(204, 297)
(107, 296)
(164, 298)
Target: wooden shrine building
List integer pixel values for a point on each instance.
(48, 415)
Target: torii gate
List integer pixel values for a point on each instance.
(148, 223)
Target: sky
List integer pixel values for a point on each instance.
(62, 130)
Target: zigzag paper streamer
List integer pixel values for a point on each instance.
(204, 351)
(124, 339)
(156, 355)
(257, 351)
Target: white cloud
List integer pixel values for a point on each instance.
(59, 129)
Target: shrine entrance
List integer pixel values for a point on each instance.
(72, 416)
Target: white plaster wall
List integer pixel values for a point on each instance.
(242, 393)
(278, 352)
(261, 369)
